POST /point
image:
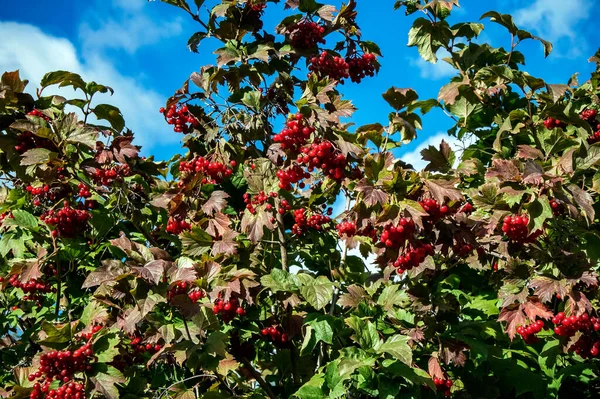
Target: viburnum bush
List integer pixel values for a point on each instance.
(225, 272)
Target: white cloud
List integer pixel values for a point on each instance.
(130, 31)
(437, 71)
(554, 20)
(415, 159)
(34, 53)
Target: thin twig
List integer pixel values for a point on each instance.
(259, 379)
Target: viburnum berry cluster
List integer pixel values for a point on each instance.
(325, 156)
(87, 336)
(40, 193)
(185, 288)
(306, 35)
(443, 385)
(295, 134)
(304, 221)
(62, 365)
(140, 347)
(260, 199)
(326, 65)
(291, 175)
(71, 390)
(84, 191)
(557, 207)
(27, 141)
(180, 117)
(529, 332)
(412, 256)
(590, 116)
(346, 228)
(257, 6)
(34, 288)
(176, 225)
(214, 172)
(39, 114)
(551, 123)
(395, 236)
(588, 344)
(360, 67)
(462, 249)
(515, 227)
(227, 310)
(433, 209)
(107, 176)
(67, 222)
(276, 335)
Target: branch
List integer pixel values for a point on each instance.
(259, 379)
(282, 242)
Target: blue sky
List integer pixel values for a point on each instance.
(139, 48)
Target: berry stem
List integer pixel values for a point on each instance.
(58, 285)
(282, 241)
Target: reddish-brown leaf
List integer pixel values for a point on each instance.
(226, 245)
(453, 352)
(371, 195)
(353, 297)
(514, 317)
(546, 287)
(434, 368)
(153, 271)
(578, 303)
(253, 225)
(504, 170)
(442, 189)
(216, 203)
(529, 152)
(534, 309)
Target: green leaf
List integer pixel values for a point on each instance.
(56, 334)
(312, 389)
(105, 384)
(196, 242)
(365, 332)
(400, 98)
(111, 114)
(106, 347)
(63, 78)
(37, 156)
(252, 99)
(83, 135)
(428, 37)
(539, 211)
(317, 292)
(24, 219)
(280, 280)
(397, 346)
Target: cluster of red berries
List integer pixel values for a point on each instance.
(589, 115)
(180, 117)
(515, 227)
(227, 310)
(462, 249)
(140, 347)
(276, 335)
(67, 221)
(291, 175)
(551, 123)
(443, 385)
(528, 332)
(39, 114)
(215, 172)
(557, 207)
(28, 140)
(568, 326)
(466, 208)
(61, 365)
(177, 226)
(106, 177)
(72, 390)
(306, 35)
(261, 199)
(334, 67)
(295, 134)
(40, 193)
(325, 156)
(360, 67)
(89, 335)
(394, 236)
(588, 344)
(303, 222)
(413, 256)
(183, 288)
(84, 191)
(347, 228)
(34, 288)
(433, 209)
